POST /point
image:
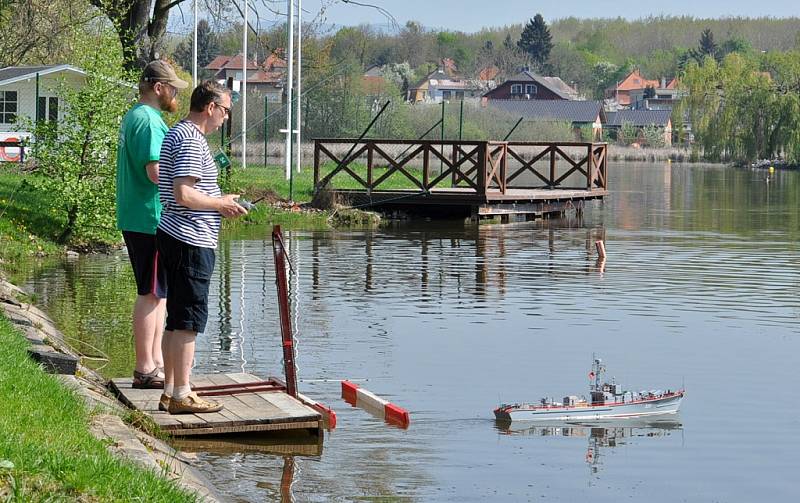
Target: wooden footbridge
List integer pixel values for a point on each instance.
(470, 178)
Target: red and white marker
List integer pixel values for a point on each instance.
(328, 414)
(363, 399)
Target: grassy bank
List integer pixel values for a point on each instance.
(28, 227)
(257, 180)
(46, 450)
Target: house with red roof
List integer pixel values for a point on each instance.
(634, 81)
(267, 77)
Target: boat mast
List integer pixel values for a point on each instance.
(594, 374)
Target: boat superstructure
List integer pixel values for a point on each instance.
(606, 401)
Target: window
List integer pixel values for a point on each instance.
(460, 95)
(445, 95)
(41, 108)
(8, 107)
(530, 89)
(47, 109)
(52, 112)
(516, 88)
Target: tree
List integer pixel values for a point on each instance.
(508, 57)
(76, 157)
(352, 43)
(707, 45)
(140, 33)
(536, 41)
(740, 113)
(207, 47)
(40, 31)
(400, 74)
(735, 44)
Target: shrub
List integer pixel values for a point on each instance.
(76, 156)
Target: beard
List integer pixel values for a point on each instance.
(168, 104)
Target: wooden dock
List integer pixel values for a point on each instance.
(247, 409)
(475, 178)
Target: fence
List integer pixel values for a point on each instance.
(477, 166)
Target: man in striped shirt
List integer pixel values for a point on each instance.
(193, 206)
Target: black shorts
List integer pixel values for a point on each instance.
(188, 269)
(150, 278)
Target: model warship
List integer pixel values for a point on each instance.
(607, 401)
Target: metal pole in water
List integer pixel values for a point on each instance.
(279, 252)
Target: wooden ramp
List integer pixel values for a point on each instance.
(245, 410)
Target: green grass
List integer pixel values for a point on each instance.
(28, 221)
(46, 450)
(255, 180)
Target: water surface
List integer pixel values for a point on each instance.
(700, 289)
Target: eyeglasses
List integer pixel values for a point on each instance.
(173, 89)
(227, 110)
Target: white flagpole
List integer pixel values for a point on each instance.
(244, 89)
(194, 49)
(289, 84)
(299, 153)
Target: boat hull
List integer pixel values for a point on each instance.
(662, 406)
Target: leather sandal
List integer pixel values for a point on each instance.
(149, 380)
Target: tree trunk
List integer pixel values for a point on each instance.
(140, 35)
(72, 217)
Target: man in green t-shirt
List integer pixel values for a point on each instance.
(139, 210)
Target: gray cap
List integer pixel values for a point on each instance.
(161, 71)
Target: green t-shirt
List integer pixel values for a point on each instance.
(140, 136)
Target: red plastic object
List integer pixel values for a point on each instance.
(349, 392)
(328, 413)
(397, 415)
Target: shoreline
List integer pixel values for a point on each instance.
(108, 418)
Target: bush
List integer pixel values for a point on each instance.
(77, 155)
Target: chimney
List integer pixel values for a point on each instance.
(663, 82)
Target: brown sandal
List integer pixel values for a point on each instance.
(150, 380)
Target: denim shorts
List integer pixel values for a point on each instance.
(188, 269)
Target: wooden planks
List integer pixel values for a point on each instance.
(246, 412)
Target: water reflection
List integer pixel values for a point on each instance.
(600, 437)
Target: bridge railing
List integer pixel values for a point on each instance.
(472, 166)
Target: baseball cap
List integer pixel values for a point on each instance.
(161, 71)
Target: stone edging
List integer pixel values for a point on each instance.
(106, 423)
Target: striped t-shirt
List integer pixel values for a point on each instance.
(185, 152)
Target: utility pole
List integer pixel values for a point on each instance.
(299, 153)
(244, 89)
(289, 85)
(194, 49)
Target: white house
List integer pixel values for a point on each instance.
(30, 92)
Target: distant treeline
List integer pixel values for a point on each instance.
(591, 54)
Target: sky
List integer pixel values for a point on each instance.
(472, 15)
